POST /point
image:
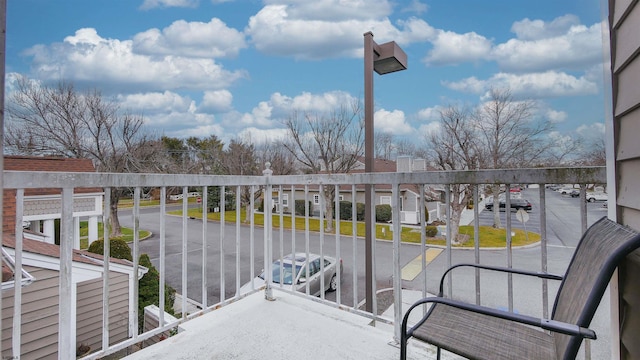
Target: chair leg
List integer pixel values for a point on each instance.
(403, 347)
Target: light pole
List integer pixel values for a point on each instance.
(383, 59)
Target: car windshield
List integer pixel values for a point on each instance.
(287, 274)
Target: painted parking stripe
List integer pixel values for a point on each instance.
(414, 267)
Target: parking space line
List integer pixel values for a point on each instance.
(414, 267)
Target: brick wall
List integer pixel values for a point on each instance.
(9, 212)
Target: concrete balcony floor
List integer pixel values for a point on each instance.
(289, 327)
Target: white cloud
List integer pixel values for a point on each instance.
(262, 136)
(392, 122)
(416, 7)
(217, 101)
(334, 10)
(261, 114)
(452, 48)
(191, 39)
(302, 29)
(430, 114)
(306, 101)
(86, 56)
(555, 116)
(429, 128)
(175, 121)
(561, 44)
(156, 102)
(534, 85)
(577, 47)
(413, 30)
(151, 4)
(200, 131)
(591, 130)
(537, 29)
(562, 142)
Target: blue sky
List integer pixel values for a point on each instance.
(238, 68)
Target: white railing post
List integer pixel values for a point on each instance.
(397, 270)
(268, 238)
(67, 324)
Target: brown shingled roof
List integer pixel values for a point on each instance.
(50, 163)
(52, 250)
(47, 163)
(7, 273)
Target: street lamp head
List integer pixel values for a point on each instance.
(391, 58)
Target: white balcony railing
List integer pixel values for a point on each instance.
(208, 262)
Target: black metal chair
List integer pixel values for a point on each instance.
(479, 332)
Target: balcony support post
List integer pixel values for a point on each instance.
(268, 234)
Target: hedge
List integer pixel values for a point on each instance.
(118, 249)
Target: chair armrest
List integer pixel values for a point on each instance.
(538, 274)
(551, 325)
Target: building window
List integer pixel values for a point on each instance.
(316, 199)
(385, 200)
(341, 197)
(285, 200)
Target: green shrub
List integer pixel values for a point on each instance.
(431, 231)
(149, 285)
(383, 213)
(149, 291)
(360, 211)
(345, 210)
(118, 249)
(299, 207)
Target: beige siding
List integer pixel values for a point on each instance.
(628, 40)
(625, 50)
(39, 321)
(151, 321)
(628, 137)
(89, 313)
(39, 333)
(628, 96)
(628, 176)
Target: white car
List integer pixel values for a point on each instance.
(594, 196)
(565, 190)
(297, 279)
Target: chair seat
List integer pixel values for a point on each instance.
(479, 336)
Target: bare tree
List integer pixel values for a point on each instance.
(594, 152)
(383, 145)
(508, 135)
(281, 160)
(61, 121)
(405, 147)
(562, 150)
(453, 147)
(240, 159)
(327, 143)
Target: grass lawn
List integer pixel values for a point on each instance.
(489, 236)
(127, 234)
(128, 203)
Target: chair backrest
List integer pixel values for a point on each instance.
(602, 247)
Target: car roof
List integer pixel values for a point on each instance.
(300, 258)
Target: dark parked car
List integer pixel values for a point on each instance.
(575, 193)
(516, 204)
